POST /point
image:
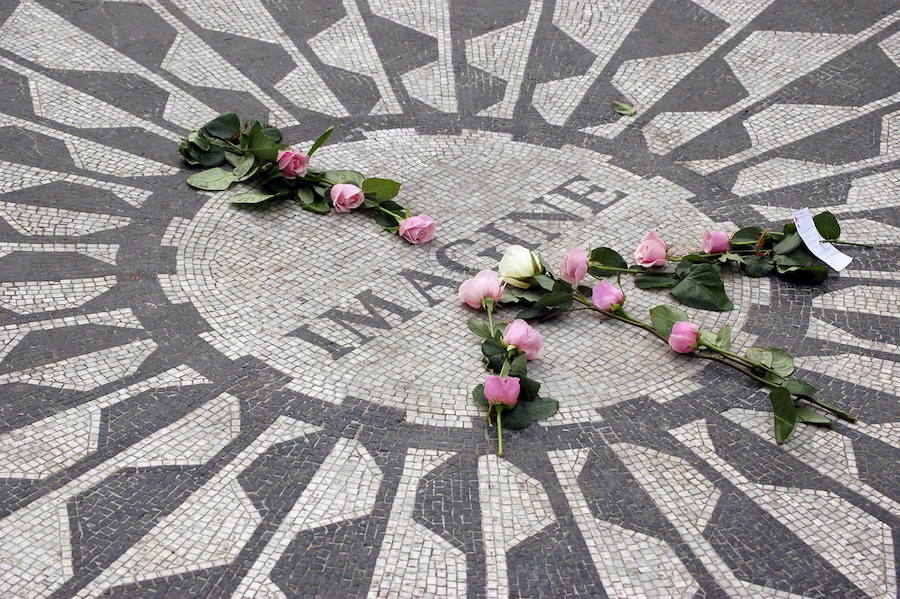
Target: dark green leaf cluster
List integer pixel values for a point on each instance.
(251, 148)
(208, 146)
(531, 406)
(782, 252)
(694, 283)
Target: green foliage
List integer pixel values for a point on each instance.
(784, 413)
(380, 189)
(604, 261)
(623, 108)
(701, 287)
(214, 179)
(663, 318)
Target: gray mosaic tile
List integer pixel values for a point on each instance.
(204, 401)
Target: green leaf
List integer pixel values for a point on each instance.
(810, 416)
(261, 145)
(345, 176)
(224, 126)
(785, 413)
(380, 189)
(214, 179)
(272, 132)
(540, 408)
(605, 261)
(189, 152)
(305, 195)
(798, 387)
(746, 236)
(623, 108)
(212, 157)
(723, 339)
(528, 389)
(320, 140)
(478, 396)
(788, 244)
(793, 261)
(495, 354)
(806, 275)
(319, 207)
(707, 339)
(773, 358)
(198, 139)
(544, 281)
(479, 327)
(654, 281)
(827, 225)
(664, 317)
(250, 197)
(519, 365)
(702, 288)
(758, 266)
(385, 220)
(244, 168)
(517, 417)
(729, 256)
(524, 294)
(557, 298)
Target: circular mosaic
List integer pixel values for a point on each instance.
(209, 400)
(345, 310)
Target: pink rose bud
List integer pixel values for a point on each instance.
(607, 296)
(574, 266)
(293, 163)
(652, 251)
(520, 334)
(417, 229)
(485, 285)
(715, 242)
(500, 390)
(683, 338)
(346, 197)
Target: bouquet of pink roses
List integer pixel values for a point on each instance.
(256, 154)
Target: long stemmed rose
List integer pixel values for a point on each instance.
(552, 295)
(256, 153)
(696, 280)
(511, 397)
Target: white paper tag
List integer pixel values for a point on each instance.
(825, 252)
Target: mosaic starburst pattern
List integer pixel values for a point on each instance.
(202, 400)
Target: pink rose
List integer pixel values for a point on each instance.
(520, 335)
(346, 197)
(485, 285)
(293, 163)
(683, 338)
(417, 229)
(501, 390)
(715, 242)
(574, 266)
(607, 296)
(652, 251)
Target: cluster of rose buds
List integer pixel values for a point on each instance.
(532, 283)
(346, 197)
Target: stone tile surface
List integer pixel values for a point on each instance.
(202, 400)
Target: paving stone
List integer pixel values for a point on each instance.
(204, 400)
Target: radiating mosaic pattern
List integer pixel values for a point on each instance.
(203, 400)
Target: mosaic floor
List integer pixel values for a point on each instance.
(198, 400)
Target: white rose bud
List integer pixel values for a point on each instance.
(518, 265)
